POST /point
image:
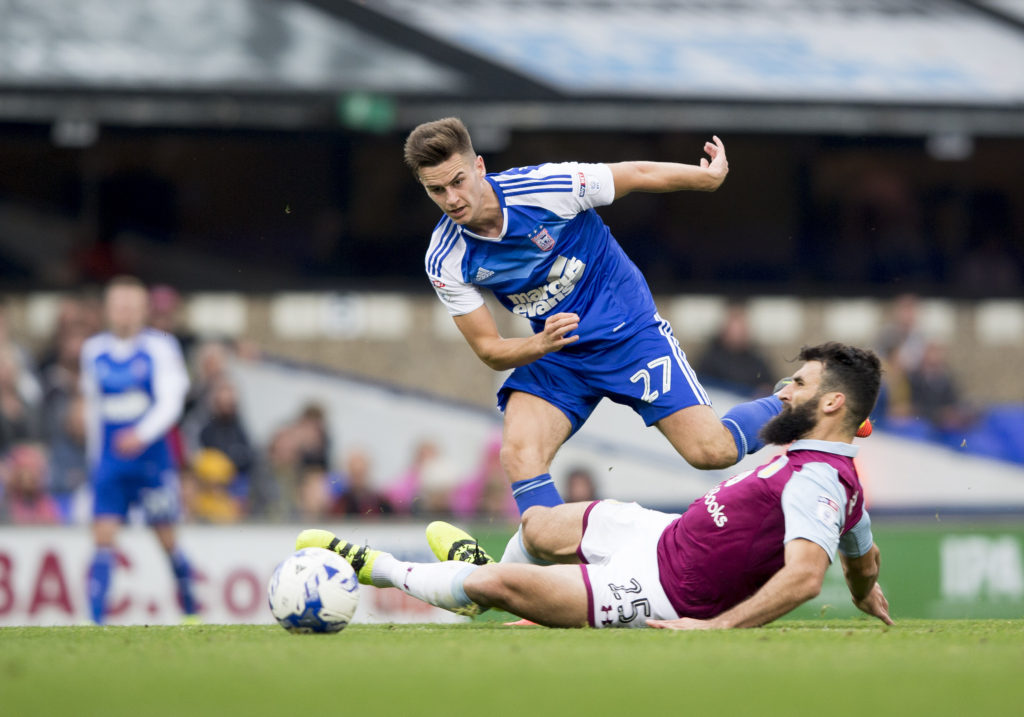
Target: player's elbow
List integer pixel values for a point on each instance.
(811, 590)
(495, 363)
(489, 354)
(807, 585)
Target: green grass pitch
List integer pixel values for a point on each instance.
(812, 667)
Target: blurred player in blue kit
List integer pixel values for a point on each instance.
(134, 383)
(531, 236)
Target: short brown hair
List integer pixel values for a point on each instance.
(432, 143)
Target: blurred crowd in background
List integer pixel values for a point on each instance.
(225, 477)
(299, 474)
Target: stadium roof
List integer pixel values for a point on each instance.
(856, 66)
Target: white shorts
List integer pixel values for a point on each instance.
(619, 551)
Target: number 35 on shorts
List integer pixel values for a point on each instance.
(657, 375)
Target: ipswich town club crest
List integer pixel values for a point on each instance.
(543, 240)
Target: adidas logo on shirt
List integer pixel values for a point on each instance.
(483, 274)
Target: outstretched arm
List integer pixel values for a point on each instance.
(797, 581)
(500, 353)
(672, 176)
(862, 579)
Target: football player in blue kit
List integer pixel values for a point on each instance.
(532, 237)
(134, 383)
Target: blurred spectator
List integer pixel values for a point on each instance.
(731, 359)
(359, 498)
(282, 501)
(19, 412)
(224, 429)
(209, 365)
(312, 437)
(210, 497)
(426, 485)
(901, 345)
(75, 316)
(580, 486)
(69, 469)
(313, 500)
(901, 340)
(224, 438)
(486, 493)
(63, 420)
(26, 499)
(166, 314)
(439, 480)
(297, 464)
(934, 393)
(28, 385)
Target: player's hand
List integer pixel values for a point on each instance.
(683, 623)
(718, 167)
(875, 605)
(127, 444)
(553, 337)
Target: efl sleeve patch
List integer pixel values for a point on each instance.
(828, 512)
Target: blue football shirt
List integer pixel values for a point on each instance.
(554, 255)
(138, 382)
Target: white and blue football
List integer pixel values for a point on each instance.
(313, 590)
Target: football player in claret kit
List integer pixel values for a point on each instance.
(134, 383)
(532, 237)
(750, 550)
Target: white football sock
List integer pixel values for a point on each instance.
(439, 584)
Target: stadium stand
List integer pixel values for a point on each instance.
(246, 152)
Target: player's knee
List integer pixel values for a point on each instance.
(710, 454)
(520, 460)
(536, 521)
(552, 534)
(487, 586)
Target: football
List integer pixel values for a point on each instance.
(313, 591)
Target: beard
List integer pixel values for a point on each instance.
(792, 424)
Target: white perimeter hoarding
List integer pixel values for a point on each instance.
(43, 575)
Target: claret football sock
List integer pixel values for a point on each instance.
(745, 421)
(539, 490)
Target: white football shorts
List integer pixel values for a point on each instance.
(619, 551)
